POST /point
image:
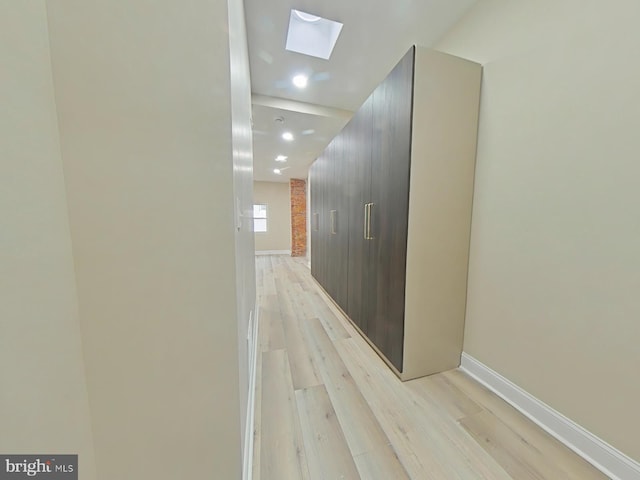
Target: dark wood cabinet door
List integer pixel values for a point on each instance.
(390, 164)
(319, 226)
(315, 206)
(313, 212)
(330, 206)
(374, 307)
(324, 223)
(339, 218)
(358, 181)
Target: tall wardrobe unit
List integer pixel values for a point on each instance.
(391, 212)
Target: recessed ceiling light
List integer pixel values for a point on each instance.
(300, 81)
(281, 158)
(288, 136)
(277, 171)
(312, 35)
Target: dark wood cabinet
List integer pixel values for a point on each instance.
(394, 190)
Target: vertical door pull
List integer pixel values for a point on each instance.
(333, 221)
(316, 222)
(366, 221)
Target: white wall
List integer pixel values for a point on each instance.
(143, 92)
(43, 395)
(554, 272)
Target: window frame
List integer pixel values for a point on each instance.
(257, 217)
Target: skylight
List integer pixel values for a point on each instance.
(312, 35)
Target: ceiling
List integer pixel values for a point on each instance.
(376, 34)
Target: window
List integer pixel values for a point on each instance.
(260, 218)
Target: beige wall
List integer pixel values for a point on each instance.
(143, 93)
(554, 273)
(242, 139)
(43, 395)
(278, 200)
(308, 256)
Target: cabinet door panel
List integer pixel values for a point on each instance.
(358, 179)
(340, 221)
(324, 221)
(319, 230)
(390, 197)
(315, 205)
(331, 280)
(375, 309)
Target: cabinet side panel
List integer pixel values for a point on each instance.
(445, 116)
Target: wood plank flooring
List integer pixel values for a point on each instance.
(327, 407)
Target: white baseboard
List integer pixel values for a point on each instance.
(273, 252)
(247, 464)
(600, 454)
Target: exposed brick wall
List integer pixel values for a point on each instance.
(298, 217)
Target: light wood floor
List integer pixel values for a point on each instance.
(327, 407)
